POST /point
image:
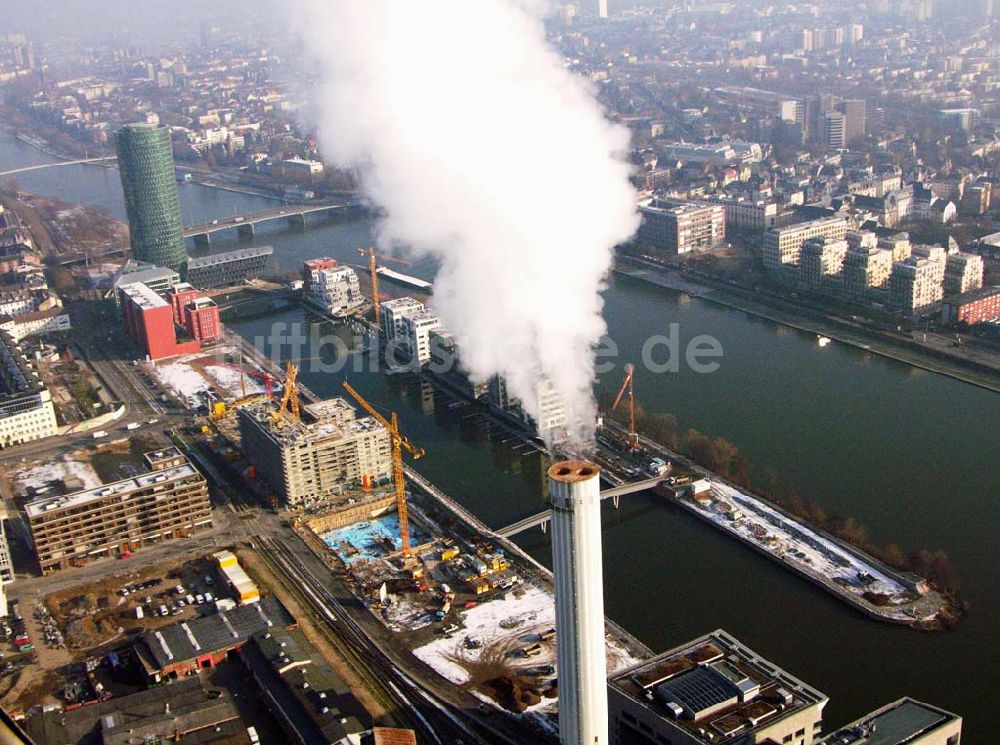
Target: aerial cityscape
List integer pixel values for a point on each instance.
(615, 372)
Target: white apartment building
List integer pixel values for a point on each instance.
(416, 334)
(963, 272)
(916, 285)
(336, 291)
(392, 314)
(866, 271)
(822, 264)
(783, 246)
(26, 410)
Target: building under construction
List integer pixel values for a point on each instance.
(171, 501)
(325, 453)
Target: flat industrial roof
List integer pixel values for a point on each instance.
(200, 262)
(898, 723)
(181, 642)
(123, 487)
(715, 684)
(142, 296)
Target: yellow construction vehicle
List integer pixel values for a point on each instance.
(399, 443)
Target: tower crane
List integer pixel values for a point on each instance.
(627, 384)
(373, 259)
(264, 375)
(290, 397)
(399, 443)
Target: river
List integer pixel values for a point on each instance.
(910, 454)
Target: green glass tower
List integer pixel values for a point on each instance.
(146, 164)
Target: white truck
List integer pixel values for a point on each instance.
(99, 434)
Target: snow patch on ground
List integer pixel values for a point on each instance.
(508, 622)
(38, 478)
(184, 380)
(229, 380)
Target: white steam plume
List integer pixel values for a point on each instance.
(487, 153)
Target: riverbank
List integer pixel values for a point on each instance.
(979, 372)
(875, 589)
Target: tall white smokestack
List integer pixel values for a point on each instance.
(575, 495)
(602, 8)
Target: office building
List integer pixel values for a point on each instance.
(822, 265)
(196, 314)
(577, 576)
(712, 690)
(675, 227)
(744, 215)
(916, 285)
(783, 246)
(116, 519)
(334, 290)
(970, 308)
(602, 8)
(329, 453)
(146, 165)
(835, 130)
(228, 268)
(855, 115)
(903, 722)
(963, 272)
(149, 320)
(26, 410)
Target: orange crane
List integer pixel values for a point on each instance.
(399, 443)
(373, 270)
(627, 383)
(290, 398)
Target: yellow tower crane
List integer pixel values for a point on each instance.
(290, 398)
(399, 443)
(627, 383)
(373, 259)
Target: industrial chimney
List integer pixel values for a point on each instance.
(575, 496)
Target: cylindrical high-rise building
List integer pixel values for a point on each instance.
(577, 565)
(146, 164)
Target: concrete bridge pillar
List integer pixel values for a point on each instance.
(298, 220)
(245, 230)
(203, 240)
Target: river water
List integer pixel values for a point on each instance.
(912, 455)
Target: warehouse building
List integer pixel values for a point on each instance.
(311, 701)
(115, 519)
(201, 643)
(183, 712)
(712, 690)
(26, 410)
(330, 452)
(228, 268)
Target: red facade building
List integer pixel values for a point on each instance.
(149, 320)
(972, 307)
(179, 296)
(201, 319)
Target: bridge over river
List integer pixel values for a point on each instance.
(294, 213)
